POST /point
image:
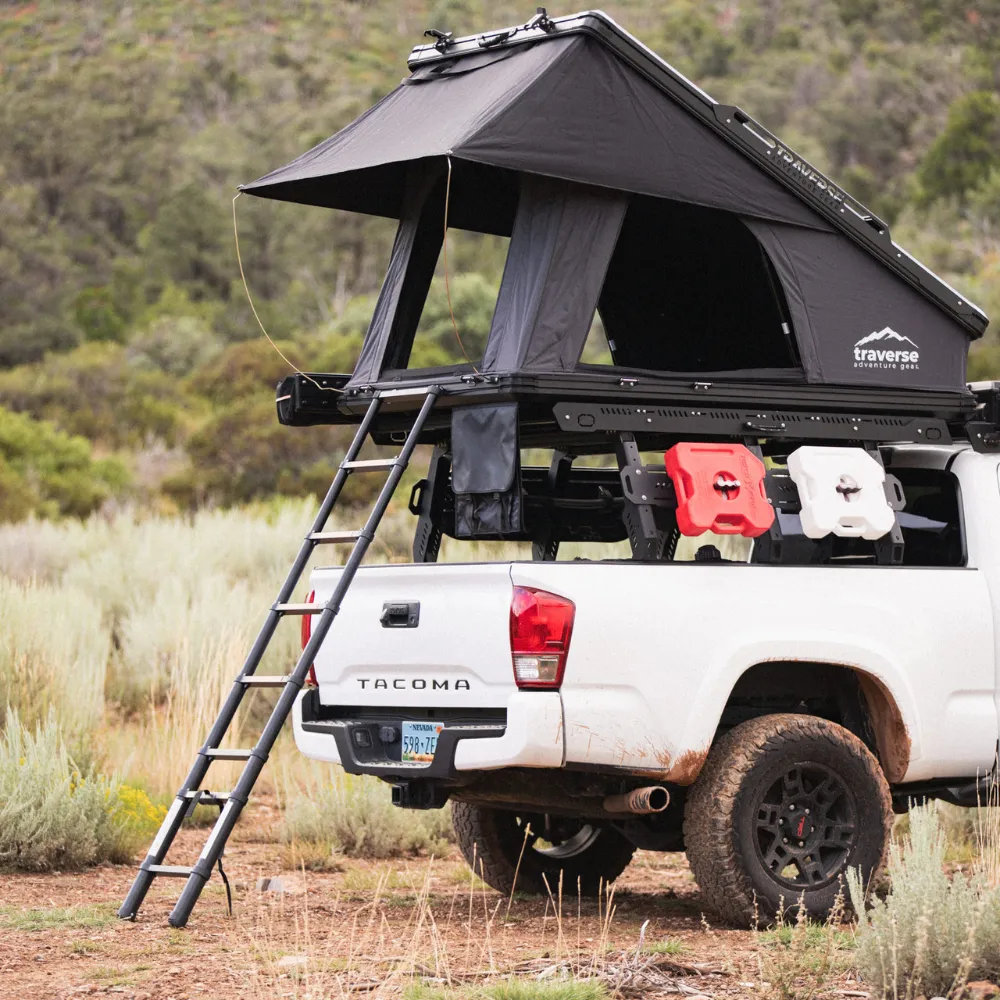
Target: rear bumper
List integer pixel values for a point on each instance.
(532, 737)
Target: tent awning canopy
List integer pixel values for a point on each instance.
(601, 162)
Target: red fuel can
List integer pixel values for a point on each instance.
(720, 488)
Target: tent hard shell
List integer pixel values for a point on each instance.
(715, 256)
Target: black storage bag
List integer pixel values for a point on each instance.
(486, 470)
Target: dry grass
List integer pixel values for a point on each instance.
(157, 747)
(53, 654)
(798, 957)
(425, 945)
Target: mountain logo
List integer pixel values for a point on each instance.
(886, 333)
(883, 354)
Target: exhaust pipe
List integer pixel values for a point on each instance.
(643, 801)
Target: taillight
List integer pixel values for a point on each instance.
(540, 628)
(306, 636)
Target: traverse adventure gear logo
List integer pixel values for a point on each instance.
(878, 355)
(806, 173)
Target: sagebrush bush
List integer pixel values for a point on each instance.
(354, 815)
(932, 932)
(53, 816)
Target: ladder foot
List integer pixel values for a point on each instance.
(185, 902)
(136, 894)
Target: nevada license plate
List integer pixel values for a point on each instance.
(420, 740)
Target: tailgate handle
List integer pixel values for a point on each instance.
(400, 614)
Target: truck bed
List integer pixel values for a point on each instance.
(656, 650)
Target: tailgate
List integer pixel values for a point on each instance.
(445, 641)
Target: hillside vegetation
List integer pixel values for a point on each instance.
(128, 126)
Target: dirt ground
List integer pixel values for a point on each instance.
(366, 929)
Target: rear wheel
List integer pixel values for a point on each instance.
(506, 847)
(783, 807)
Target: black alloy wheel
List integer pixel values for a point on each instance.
(806, 827)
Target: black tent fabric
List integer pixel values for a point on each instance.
(563, 238)
(853, 323)
(556, 140)
(564, 108)
(411, 267)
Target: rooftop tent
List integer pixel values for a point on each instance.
(622, 189)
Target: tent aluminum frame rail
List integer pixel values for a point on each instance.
(739, 129)
(232, 803)
(556, 408)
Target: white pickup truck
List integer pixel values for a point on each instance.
(764, 718)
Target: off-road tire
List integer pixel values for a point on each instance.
(725, 816)
(492, 842)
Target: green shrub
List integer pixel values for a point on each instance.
(96, 315)
(17, 498)
(355, 816)
(52, 816)
(96, 392)
(190, 243)
(49, 473)
(248, 369)
(932, 933)
(472, 298)
(242, 453)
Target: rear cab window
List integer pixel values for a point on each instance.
(931, 524)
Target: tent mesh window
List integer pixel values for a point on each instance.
(475, 263)
(690, 289)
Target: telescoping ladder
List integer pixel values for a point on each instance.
(231, 803)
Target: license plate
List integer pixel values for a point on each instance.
(420, 740)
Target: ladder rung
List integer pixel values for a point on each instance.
(170, 871)
(266, 680)
(369, 464)
(334, 536)
(219, 754)
(207, 798)
(299, 609)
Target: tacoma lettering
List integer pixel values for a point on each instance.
(416, 684)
